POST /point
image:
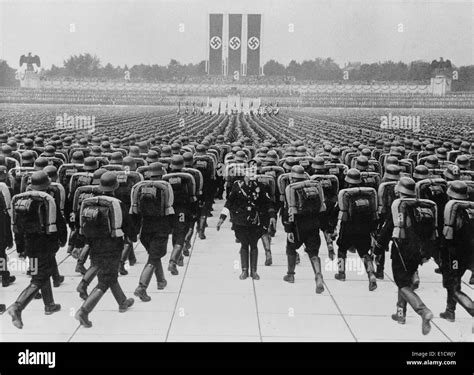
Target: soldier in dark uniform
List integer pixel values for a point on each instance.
(304, 229)
(6, 238)
(43, 247)
(249, 205)
(154, 236)
(354, 234)
(105, 254)
(406, 257)
(456, 258)
(184, 208)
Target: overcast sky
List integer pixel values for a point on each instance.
(133, 32)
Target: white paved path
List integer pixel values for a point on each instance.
(208, 302)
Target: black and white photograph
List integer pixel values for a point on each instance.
(298, 172)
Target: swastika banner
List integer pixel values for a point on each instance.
(253, 44)
(235, 43)
(215, 43)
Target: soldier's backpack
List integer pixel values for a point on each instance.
(358, 206)
(184, 186)
(386, 196)
(77, 180)
(435, 190)
(101, 217)
(65, 173)
(152, 199)
(113, 167)
(144, 171)
(330, 185)
(81, 194)
(17, 174)
(197, 178)
(126, 180)
(205, 164)
(459, 217)
(414, 218)
(166, 161)
(270, 182)
(5, 192)
(305, 198)
(370, 179)
(34, 212)
(282, 182)
(273, 171)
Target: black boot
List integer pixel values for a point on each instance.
(202, 227)
(379, 273)
(23, 300)
(401, 314)
(82, 260)
(86, 280)
(369, 266)
(341, 269)
(266, 240)
(174, 259)
(145, 278)
(420, 308)
(449, 314)
(415, 281)
(244, 262)
(187, 243)
(132, 259)
(83, 313)
(253, 263)
(290, 275)
(316, 263)
(464, 300)
(160, 276)
(49, 306)
(7, 279)
(57, 278)
(2, 308)
(120, 297)
(125, 252)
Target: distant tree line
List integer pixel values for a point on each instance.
(87, 66)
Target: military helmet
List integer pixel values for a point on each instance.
(41, 163)
(108, 182)
(420, 173)
(353, 177)
(40, 181)
(458, 190)
(406, 186)
(297, 172)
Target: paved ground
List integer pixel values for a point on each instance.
(208, 302)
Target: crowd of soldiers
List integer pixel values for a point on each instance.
(100, 195)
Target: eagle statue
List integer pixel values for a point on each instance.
(29, 61)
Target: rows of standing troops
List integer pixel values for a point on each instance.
(110, 192)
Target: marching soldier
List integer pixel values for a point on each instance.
(304, 203)
(104, 222)
(411, 239)
(152, 208)
(43, 231)
(6, 237)
(184, 205)
(357, 209)
(457, 254)
(249, 206)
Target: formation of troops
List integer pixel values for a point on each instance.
(99, 195)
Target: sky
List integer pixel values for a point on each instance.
(148, 31)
